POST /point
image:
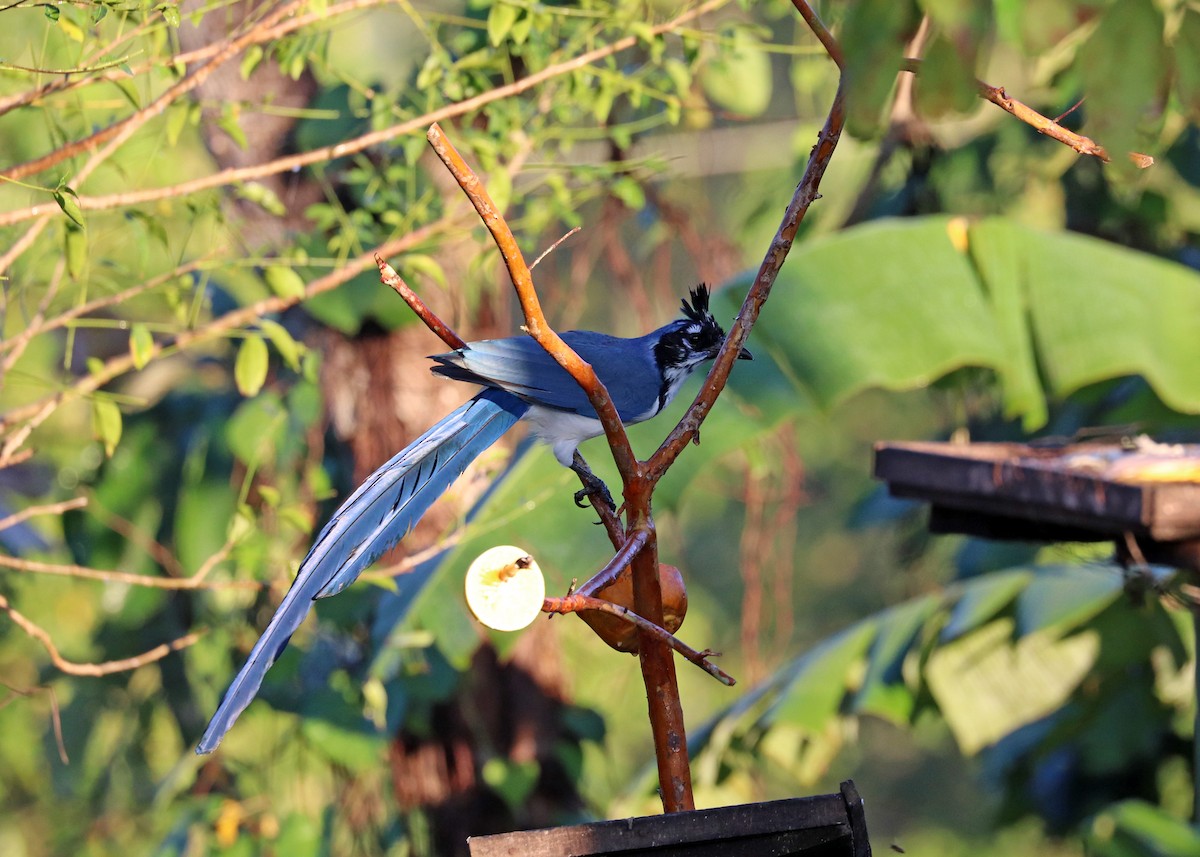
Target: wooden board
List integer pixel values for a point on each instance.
(822, 826)
(1007, 490)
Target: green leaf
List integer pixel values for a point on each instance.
(284, 281)
(1124, 66)
(229, 122)
(836, 329)
(1187, 62)
(1019, 312)
(68, 201)
(884, 691)
(263, 197)
(630, 192)
(250, 60)
(129, 90)
(419, 263)
(177, 119)
(739, 77)
(972, 680)
(815, 685)
(500, 20)
(512, 781)
(1134, 827)
(945, 84)
(256, 428)
(141, 345)
(982, 599)
(250, 368)
(873, 37)
(75, 246)
(51, 12)
(170, 14)
(106, 424)
(1061, 598)
(287, 347)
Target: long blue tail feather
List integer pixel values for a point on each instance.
(376, 516)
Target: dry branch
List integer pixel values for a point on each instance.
(535, 320)
(234, 175)
(196, 581)
(40, 634)
(575, 603)
(48, 509)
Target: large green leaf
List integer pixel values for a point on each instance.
(898, 304)
(890, 304)
(1136, 828)
(983, 652)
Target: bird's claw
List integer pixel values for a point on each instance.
(592, 490)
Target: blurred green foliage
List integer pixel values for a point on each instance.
(165, 355)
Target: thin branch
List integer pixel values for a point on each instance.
(1043, 124)
(216, 328)
(55, 713)
(153, 548)
(94, 670)
(234, 175)
(606, 576)
(108, 576)
(575, 603)
(121, 130)
(64, 71)
(535, 320)
(389, 277)
(822, 33)
(552, 248)
(1051, 128)
(260, 36)
(48, 509)
(69, 315)
(806, 194)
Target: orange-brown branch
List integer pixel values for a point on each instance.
(535, 320)
(40, 634)
(575, 603)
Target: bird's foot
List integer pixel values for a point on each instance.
(593, 488)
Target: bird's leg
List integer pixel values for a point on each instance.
(593, 486)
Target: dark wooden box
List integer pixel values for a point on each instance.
(821, 826)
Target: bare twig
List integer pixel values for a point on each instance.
(259, 36)
(120, 131)
(253, 172)
(69, 315)
(535, 320)
(34, 412)
(48, 509)
(40, 634)
(55, 713)
(605, 577)
(575, 603)
(442, 330)
(552, 248)
(1051, 128)
(108, 576)
(806, 194)
(1043, 124)
(155, 549)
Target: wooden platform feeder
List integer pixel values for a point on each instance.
(822, 826)
(1142, 495)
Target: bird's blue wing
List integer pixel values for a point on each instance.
(522, 367)
(377, 515)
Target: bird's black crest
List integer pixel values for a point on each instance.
(697, 310)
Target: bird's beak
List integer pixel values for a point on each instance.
(745, 354)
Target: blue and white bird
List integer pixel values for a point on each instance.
(521, 381)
